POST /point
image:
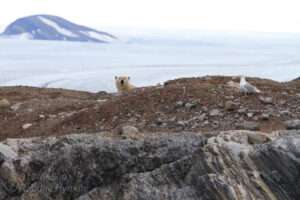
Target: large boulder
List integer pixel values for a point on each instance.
(227, 165)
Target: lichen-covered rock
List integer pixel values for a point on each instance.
(233, 165)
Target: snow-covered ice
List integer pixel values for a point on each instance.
(92, 66)
(98, 36)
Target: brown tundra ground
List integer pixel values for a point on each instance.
(201, 104)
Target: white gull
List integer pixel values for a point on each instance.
(246, 87)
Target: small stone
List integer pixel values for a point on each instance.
(181, 123)
(284, 112)
(164, 124)
(256, 138)
(204, 108)
(26, 126)
(115, 118)
(4, 104)
(292, 124)
(250, 115)
(179, 104)
(190, 105)
(132, 119)
(16, 106)
(173, 119)
(214, 112)
(52, 116)
(282, 102)
(229, 97)
(129, 132)
(230, 106)
(265, 116)
(242, 110)
(29, 110)
(42, 116)
(266, 100)
(249, 125)
(101, 101)
(202, 117)
(206, 122)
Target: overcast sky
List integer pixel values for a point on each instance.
(241, 15)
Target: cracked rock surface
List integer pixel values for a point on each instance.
(192, 166)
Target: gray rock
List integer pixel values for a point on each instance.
(129, 132)
(182, 123)
(242, 110)
(292, 124)
(230, 106)
(179, 104)
(265, 116)
(224, 166)
(284, 112)
(250, 115)
(202, 117)
(205, 109)
(266, 100)
(191, 105)
(215, 112)
(282, 102)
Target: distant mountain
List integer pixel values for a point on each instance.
(48, 27)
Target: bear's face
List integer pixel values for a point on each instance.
(122, 80)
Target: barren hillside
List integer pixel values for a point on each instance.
(193, 104)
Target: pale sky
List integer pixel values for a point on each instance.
(240, 15)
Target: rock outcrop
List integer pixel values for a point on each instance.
(223, 165)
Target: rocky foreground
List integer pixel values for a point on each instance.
(191, 139)
(222, 165)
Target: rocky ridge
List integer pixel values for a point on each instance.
(237, 165)
(193, 104)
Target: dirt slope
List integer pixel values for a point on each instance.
(191, 104)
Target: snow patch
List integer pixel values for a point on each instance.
(97, 36)
(59, 29)
(22, 36)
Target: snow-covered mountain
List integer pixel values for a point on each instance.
(48, 27)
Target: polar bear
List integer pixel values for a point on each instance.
(123, 84)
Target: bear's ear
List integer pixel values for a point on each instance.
(116, 77)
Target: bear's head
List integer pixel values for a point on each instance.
(122, 80)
